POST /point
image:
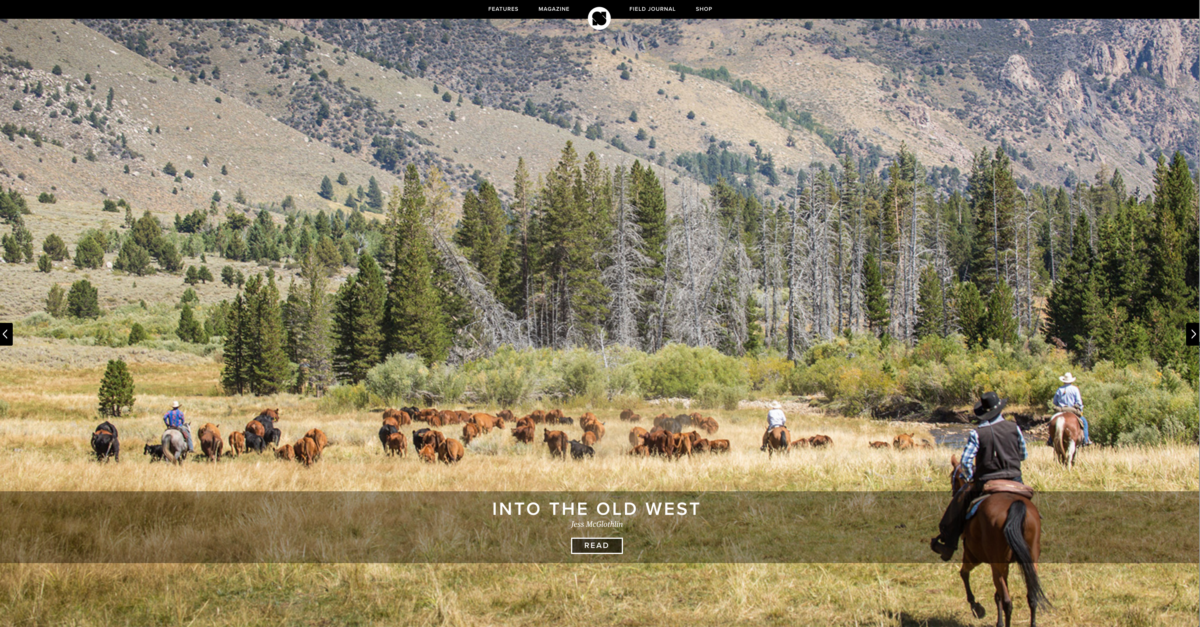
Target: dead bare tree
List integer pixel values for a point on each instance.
(623, 273)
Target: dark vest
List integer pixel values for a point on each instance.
(999, 455)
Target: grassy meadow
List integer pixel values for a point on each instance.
(51, 411)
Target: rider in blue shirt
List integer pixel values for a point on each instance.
(1067, 398)
(174, 420)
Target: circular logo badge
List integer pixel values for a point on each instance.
(598, 18)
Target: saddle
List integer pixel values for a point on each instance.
(998, 486)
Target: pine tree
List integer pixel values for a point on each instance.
(374, 195)
(227, 276)
(204, 274)
(235, 376)
(192, 277)
(56, 301)
(116, 389)
(1074, 293)
(999, 323)
(190, 329)
(971, 313)
(326, 189)
(357, 316)
(89, 253)
(137, 333)
(413, 319)
(267, 360)
(875, 296)
(929, 300)
(308, 328)
(993, 199)
(83, 300)
(54, 247)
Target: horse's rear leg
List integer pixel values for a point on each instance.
(965, 572)
(1003, 599)
(1071, 454)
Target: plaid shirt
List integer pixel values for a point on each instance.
(972, 448)
(174, 419)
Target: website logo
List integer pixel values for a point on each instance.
(598, 18)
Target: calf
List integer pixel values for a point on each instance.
(154, 451)
(286, 452)
(237, 443)
(306, 450)
(318, 437)
(579, 449)
(505, 414)
(428, 454)
(701, 446)
(589, 438)
(820, 440)
(450, 451)
(556, 441)
(470, 431)
(660, 443)
(385, 432)
(485, 422)
(640, 451)
(903, 442)
(718, 446)
(683, 445)
(880, 445)
(254, 442)
(636, 435)
(210, 442)
(597, 428)
(396, 443)
(524, 434)
(628, 416)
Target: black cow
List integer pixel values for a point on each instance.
(418, 437)
(154, 451)
(566, 420)
(384, 432)
(105, 442)
(270, 433)
(579, 449)
(253, 442)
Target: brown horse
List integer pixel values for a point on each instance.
(778, 438)
(1067, 435)
(1006, 528)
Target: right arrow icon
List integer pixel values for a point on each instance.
(1193, 334)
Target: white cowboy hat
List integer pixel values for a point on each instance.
(776, 405)
(1067, 378)
(175, 405)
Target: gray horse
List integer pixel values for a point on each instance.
(174, 446)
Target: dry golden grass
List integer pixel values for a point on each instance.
(44, 446)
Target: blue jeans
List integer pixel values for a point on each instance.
(1083, 421)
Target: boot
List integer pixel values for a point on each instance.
(943, 548)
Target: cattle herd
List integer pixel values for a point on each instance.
(667, 438)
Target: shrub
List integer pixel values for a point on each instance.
(508, 377)
(137, 333)
(398, 378)
(54, 246)
(679, 370)
(89, 253)
(82, 300)
(47, 198)
(446, 384)
(345, 398)
(56, 302)
(3, 408)
(715, 395)
(44, 264)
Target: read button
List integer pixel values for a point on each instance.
(597, 546)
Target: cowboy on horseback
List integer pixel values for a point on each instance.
(994, 450)
(174, 420)
(775, 418)
(1067, 398)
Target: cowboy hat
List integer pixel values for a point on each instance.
(1067, 378)
(776, 405)
(175, 405)
(989, 406)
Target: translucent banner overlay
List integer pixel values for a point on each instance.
(537, 527)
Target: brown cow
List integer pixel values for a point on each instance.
(903, 442)
(719, 446)
(210, 441)
(286, 453)
(596, 427)
(778, 438)
(450, 417)
(397, 444)
(880, 445)
(628, 416)
(391, 421)
(398, 416)
(554, 416)
(450, 451)
(256, 428)
(820, 440)
(485, 422)
(237, 443)
(273, 414)
(556, 441)
(589, 438)
(306, 451)
(429, 437)
(640, 451)
(797, 442)
(428, 453)
(660, 443)
(524, 434)
(701, 446)
(505, 414)
(683, 445)
(525, 422)
(319, 438)
(636, 436)
(470, 431)
(427, 414)
(538, 416)
(708, 424)
(693, 436)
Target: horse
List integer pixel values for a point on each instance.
(1067, 435)
(1006, 528)
(174, 446)
(778, 438)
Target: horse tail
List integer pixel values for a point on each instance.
(166, 441)
(1060, 423)
(1014, 533)
(783, 437)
